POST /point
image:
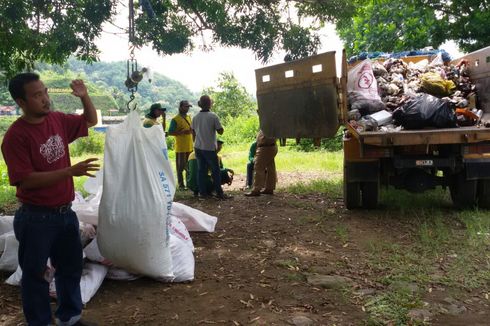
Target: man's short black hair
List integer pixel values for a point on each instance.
(16, 84)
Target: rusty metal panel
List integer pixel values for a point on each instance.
(299, 98)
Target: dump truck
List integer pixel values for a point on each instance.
(308, 99)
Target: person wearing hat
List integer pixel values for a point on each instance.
(180, 128)
(205, 125)
(225, 173)
(156, 110)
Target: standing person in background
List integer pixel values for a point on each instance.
(205, 125)
(151, 118)
(225, 173)
(250, 165)
(180, 128)
(36, 151)
(265, 175)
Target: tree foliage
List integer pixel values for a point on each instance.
(49, 30)
(230, 98)
(388, 26)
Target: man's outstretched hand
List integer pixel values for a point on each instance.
(79, 88)
(84, 168)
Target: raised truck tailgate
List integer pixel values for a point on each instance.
(299, 99)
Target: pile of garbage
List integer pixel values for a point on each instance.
(395, 95)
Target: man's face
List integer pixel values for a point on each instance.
(184, 108)
(36, 102)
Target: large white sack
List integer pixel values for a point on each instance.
(178, 229)
(138, 189)
(92, 277)
(182, 259)
(88, 211)
(361, 79)
(6, 224)
(194, 219)
(15, 278)
(9, 252)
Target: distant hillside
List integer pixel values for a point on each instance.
(106, 85)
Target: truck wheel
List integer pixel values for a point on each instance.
(484, 193)
(370, 194)
(463, 192)
(352, 195)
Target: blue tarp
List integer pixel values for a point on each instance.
(384, 55)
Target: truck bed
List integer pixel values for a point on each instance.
(422, 136)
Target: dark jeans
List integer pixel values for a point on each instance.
(208, 160)
(46, 233)
(181, 166)
(250, 174)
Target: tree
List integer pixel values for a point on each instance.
(230, 98)
(383, 25)
(465, 21)
(388, 26)
(51, 30)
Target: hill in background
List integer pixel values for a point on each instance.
(105, 81)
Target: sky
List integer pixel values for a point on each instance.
(201, 69)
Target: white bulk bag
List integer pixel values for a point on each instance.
(194, 219)
(138, 189)
(9, 252)
(361, 80)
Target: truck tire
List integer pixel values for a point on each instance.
(463, 192)
(484, 194)
(352, 195)
(370, 194)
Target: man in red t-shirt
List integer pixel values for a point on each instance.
(35, 149)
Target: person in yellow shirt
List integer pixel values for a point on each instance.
(156, 110)
(180, 128)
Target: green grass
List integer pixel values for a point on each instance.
(288, 159)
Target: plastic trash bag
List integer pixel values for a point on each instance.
(138, 189)
(432, 83)
(425, 111)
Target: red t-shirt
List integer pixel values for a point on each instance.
(42, 147)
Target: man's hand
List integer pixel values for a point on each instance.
(79, 88)
(84, 167)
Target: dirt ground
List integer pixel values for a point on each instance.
(257, 267)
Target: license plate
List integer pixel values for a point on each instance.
(424, 162)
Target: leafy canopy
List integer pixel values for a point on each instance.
(384, 25)
(230, 98)
(52, 30)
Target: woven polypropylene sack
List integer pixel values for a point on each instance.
(138, 189)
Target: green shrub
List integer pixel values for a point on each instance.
(240, 130)
(330, 144)
(93, 144)
(5, 123)
(170, 142)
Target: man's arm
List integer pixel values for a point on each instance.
(89, 113)
(45, 179)
(220, 131)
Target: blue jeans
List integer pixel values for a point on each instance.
(208, 160)
(47, 233)
(250, 174)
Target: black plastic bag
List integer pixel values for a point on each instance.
(425, 111)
